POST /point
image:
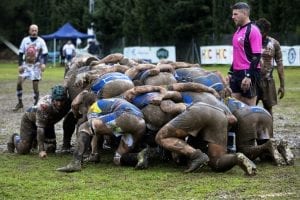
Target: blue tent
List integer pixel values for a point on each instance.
(67, 31)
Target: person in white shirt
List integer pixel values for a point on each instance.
(69, 51)
(33, 54)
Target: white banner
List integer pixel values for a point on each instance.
(216, 54)
(151, 54)
(223, 55)
(290, 55)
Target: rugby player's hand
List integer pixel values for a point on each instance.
(281, 92)
(21, 70)
(43, 67)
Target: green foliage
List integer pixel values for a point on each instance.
(108, 19)
(144, 22)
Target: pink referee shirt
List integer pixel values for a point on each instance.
(240, 61)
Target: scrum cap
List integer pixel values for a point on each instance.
(59, 93)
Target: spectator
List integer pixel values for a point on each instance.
(244, 72)
(69, 51)
(62, 57)
(33, 54)
(271, 51)
(93, 48)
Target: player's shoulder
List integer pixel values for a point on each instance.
(273, 40)
(254, 28)
(26, 39)
(44, 103)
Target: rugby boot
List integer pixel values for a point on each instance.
(272, 146)
(19, 106)
(93, 158)
(66, 148)
(10, 144)
(246, 164)
(73, 166)
(143, 159)
(286, 152)
(197, 160)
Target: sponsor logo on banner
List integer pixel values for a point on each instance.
(222, 54)
(291, 55)
(151, 54)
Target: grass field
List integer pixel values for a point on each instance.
(28, 177)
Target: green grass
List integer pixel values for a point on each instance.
(9, 72)
(28, 177)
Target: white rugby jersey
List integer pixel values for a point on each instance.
(39, 44)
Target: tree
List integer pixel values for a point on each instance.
(108, 19)
(146, 22)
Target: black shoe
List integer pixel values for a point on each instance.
(143, 157)
(10, 144)
(18, 107)
(197, 160)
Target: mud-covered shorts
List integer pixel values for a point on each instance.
(204, 121)
(267, 92)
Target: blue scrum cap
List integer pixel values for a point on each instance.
(59, 93)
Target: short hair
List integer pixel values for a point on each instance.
(241, 5)
(264, 25)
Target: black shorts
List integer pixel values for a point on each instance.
(236, 82)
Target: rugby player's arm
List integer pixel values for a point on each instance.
(41, 138)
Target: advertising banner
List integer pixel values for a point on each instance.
(290, 55)
(223, 55)
(151, 54)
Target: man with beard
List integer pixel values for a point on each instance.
(247, 44)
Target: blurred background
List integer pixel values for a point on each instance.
(116, 24)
